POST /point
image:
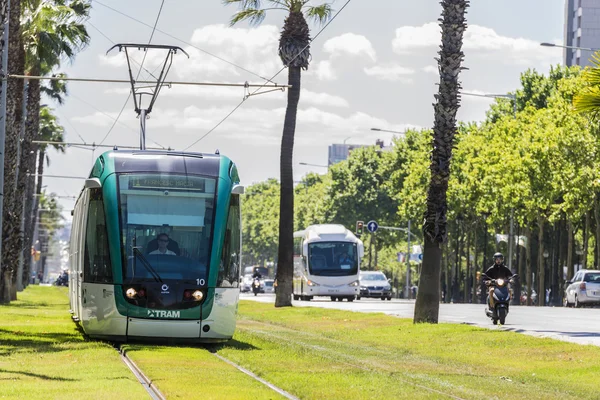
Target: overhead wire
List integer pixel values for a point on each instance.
(273, 77)
(184, 42)
(62, 116)
(138, 75)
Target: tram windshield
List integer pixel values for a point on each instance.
(166, 225)
(333, 258)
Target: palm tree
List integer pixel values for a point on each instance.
(5, 271)
(588, 101)
(50, 131)
(453, 24)
(52, 30)
(294, 52)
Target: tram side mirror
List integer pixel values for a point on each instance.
(92, 183)
(361, 250)
(237, 189)
(305, 249)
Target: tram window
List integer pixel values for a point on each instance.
(229, 270)
(96, 263)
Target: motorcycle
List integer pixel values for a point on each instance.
(62, 280)
(502, 296)
(256, 286)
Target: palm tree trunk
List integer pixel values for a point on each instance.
(12, 209)
(453, 24)
(285, 264)
(3, 275)
(27, 165)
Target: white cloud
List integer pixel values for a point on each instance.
(323, 99)
(350, 44)
(97, 119)
(478, 41)
(390, 72)
(323, 70)
(431, 69)
(254, 49)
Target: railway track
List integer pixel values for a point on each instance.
(155, 393)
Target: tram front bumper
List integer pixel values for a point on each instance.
(163, 328)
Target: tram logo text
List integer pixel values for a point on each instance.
(163, 314)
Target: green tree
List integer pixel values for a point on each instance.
(453, 23)
(260, 213)
(294, 52)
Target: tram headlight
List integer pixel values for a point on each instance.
(198, 295)
(354, 284)
(131, 293)
(312, 283)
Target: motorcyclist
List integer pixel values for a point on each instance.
(256, 274)
(496, 271)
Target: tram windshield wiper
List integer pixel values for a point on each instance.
(147, 265)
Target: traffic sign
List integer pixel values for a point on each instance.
(421, 257)
(372, 226)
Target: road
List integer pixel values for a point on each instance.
(580, 326)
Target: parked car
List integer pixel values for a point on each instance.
(268, 285)
(374, 284)
(583, 289)
(247, 283)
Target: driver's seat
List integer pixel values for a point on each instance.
(172, 245)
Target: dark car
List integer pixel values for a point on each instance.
(374, 284)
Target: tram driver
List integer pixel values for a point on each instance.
(163, 241)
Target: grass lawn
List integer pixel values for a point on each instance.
(310, 352)
(44, 356)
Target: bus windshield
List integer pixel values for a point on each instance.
(332, 258)
(166, 225)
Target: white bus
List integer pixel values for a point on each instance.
(327, 263)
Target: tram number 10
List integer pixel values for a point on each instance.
(200, 282)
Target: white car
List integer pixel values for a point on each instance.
(247, 283)
(583, 289)
(268, 285)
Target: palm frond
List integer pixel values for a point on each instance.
(592, 75)
(319, 14)
(253, 15)
(588, 101)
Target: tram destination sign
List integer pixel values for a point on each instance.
(167, 182)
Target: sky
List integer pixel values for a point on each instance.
(372, 67)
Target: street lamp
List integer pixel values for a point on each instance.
(349, 137)
(385, 130)
(569, 47)
(314, 165)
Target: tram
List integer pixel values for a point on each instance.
(155, 247)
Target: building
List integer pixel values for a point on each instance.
(582, 29)
(340, 152)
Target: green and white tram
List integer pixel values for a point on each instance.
(156, 247)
